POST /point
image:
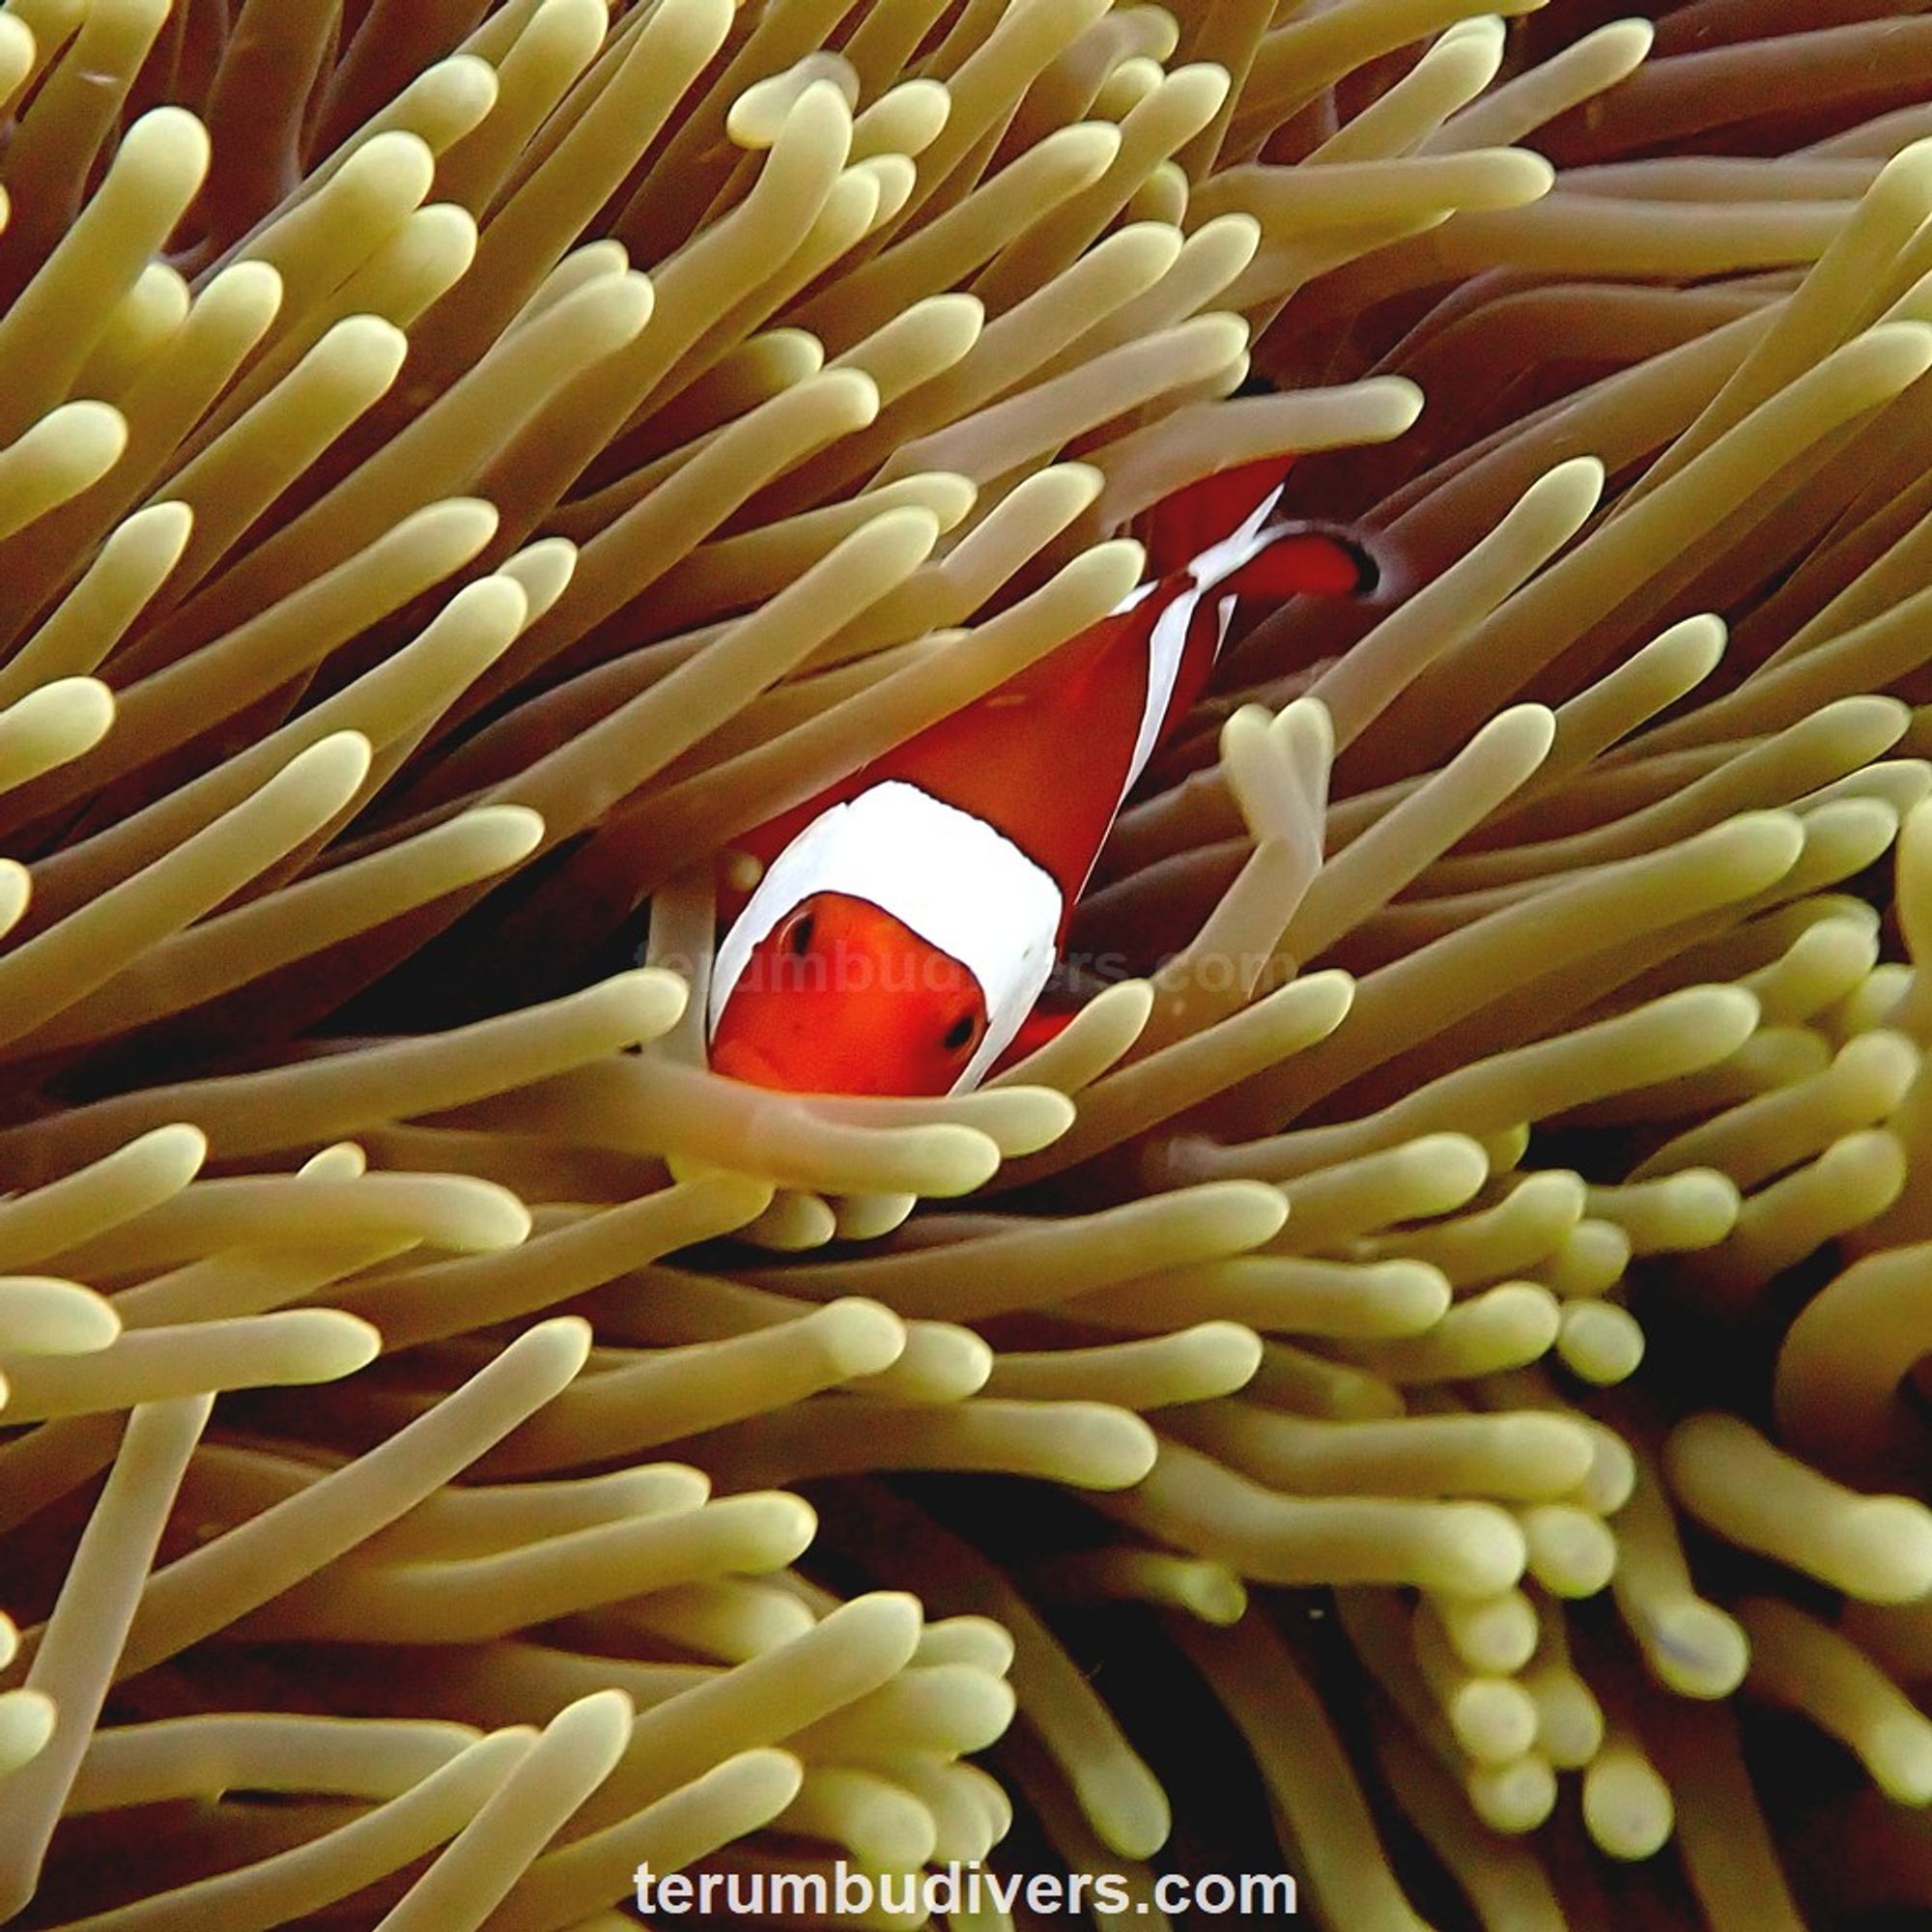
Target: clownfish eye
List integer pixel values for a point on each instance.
(961, 1033)
(798, 935)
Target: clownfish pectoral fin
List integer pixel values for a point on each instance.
(1036, 1029)
(1304, 561)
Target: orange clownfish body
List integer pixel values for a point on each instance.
(908, 918)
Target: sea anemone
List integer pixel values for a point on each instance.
(1414, 1387)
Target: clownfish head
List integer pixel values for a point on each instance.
(839, 997)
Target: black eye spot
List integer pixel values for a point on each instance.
(798, 936)
(960, 1033)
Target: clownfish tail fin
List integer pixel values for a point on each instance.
(1306, 560)
(1292, 558)
(1194, 518)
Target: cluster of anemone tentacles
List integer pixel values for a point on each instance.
(461, 467)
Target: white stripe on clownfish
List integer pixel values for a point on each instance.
(1169, 641)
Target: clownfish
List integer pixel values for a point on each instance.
(908, 918)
